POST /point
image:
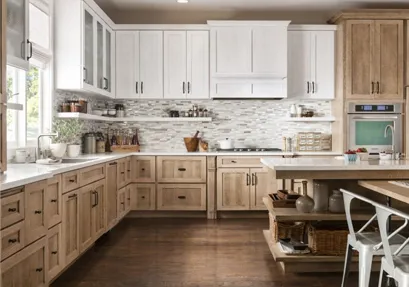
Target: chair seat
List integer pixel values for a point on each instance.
(370, 239)
(401, 263)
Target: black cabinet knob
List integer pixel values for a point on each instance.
(182, 169)
(54, 252)
(53, 200)
(12, 209)
(38, 212)
(12, 240)
(39, 269)
(182, 197)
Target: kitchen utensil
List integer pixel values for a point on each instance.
(192, 143)
(299, 111)
(304, 204)
(336, 202)
(90, 143)
(58, 149)
(226, 144)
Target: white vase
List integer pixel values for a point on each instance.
(58, 149)
(74, 150)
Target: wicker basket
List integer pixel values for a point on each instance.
(294, 230)
(327, 242)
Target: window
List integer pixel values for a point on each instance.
(32, 89)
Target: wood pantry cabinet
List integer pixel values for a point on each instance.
(374, 59)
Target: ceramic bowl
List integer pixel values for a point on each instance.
(350, 157)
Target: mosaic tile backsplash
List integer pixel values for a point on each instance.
(250, 123)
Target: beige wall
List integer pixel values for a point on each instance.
(200, 17)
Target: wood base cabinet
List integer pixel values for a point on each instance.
(53, 202)
(144, 169)
(98, 211)
(143, 196)
(35, 216)
(12, 208)
(181, 197)
(121, 209)
(242, 188)
(27, 267)
(111, 194)
(54, 251)
(70, 227)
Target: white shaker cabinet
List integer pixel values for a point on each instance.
(84, 49)
(139, 64)
(311, 62)
(19, 48)
(186, 64)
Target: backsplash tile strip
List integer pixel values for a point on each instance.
(250, 123)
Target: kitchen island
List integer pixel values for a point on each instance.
(338, 173)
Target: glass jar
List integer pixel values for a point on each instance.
(336, 202)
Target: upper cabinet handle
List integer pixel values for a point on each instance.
(313, 87)
(378, 87)
(308, 87)
(31, 50)
(136, 86)
(373, 87)
(184, 89)
(188, 87)
(141, 87)
(106, 83)
(85, 75)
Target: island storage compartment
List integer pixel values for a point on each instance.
(288, 229)
(328, 239)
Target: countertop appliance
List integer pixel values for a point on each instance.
(368, 124)
(245, 149)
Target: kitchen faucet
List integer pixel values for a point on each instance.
(385, 134)
(40, 154)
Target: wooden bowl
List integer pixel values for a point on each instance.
(191, 144)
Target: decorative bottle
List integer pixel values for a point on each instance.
(304, 203)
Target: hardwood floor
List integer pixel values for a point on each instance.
(188, 253)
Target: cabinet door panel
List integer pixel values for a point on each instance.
(127, 64)
(89, 46)
(98, 211)
(121, 173)
(121, 203)
(175, 64)
(198, 64)
(359, 59)
(100, 54)
(299, 63)
(151, 64)
(92, 174)
(36, 219)
(87, 200)
(143, 197)
(54, 241)
(12, 208)
(260, 184)
(70, 226)
(233, 187)
(144, 169)
(389, 59)
(53, 201)
(111, 199)
(12, 240)
(109, 60)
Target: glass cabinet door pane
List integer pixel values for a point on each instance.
(16, 28)
(100, 56)
(108, 61)
(88, 48)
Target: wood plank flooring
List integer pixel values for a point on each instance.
(188, 253)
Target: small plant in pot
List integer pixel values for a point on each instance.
(69, 137)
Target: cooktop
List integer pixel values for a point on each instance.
(245, 149)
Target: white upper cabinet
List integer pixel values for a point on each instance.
(311, 62)
(139, 64)
(84, 49)
(248, 59)
(186, 64)
(19, 48)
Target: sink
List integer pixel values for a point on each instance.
(76, 160)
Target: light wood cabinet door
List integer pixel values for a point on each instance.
(70, 181)
(260, 184)
(27, 267)
(144, 168)
(128, 170)
(98, 211)
(181, 169)
(143, 197)
(128, 191)
(111, 198)
(360, 43)
(12, 240)
(12, 208)
(91, 174)
(181, 197)
(36, 224)
(54, 251)
(70, 226)
(233, 188)
(87, 201)
(121, 173)
(121, 210)
(389, 58)
(53, 202)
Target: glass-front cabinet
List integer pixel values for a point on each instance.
(109, 44)
(19, 48)
(89, 20)
(100, 55)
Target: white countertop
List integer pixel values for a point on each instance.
(325, 164)
(21, 174)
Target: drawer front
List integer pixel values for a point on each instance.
(143, 197)
(144, 169)
(181, 197)
(12, 209)
(91, 174)
(53, 202)
(121, 176)
(232, 161)
(54, 243)
(70, 181)
(12, 240)
(35, 219)
(181, 169)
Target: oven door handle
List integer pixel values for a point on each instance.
(374, 118)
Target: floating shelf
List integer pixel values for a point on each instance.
(312, 119)
(129, 119)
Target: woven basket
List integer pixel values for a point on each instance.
(293, 230)
(327, 242)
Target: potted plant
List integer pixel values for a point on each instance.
(69, 137)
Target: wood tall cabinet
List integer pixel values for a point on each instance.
(3, 89)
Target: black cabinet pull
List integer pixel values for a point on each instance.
(72, 180)
(72, 196)
(141, 87)
(129, 170)
(38, 212)
(253, 179)
(188, 87)
(123, 203)
(233, 161)
(85, 75)
(54, 252)
(182, 197)
(97, 194)
(95, 199)
(106, 83)
(53, 200)
(184, 89)
(373, 87)
(113, 163)
(142, 169)
(136, 87)
(122, 172)
(31, 50)
(12, 240)
(308, 87)
(313, 87)
(182, 169)
(378, 87)
(12, 209)
(39, 269)
(143, 197)
(247, 179)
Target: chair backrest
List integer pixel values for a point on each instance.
(383, 214)
(348, 197)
